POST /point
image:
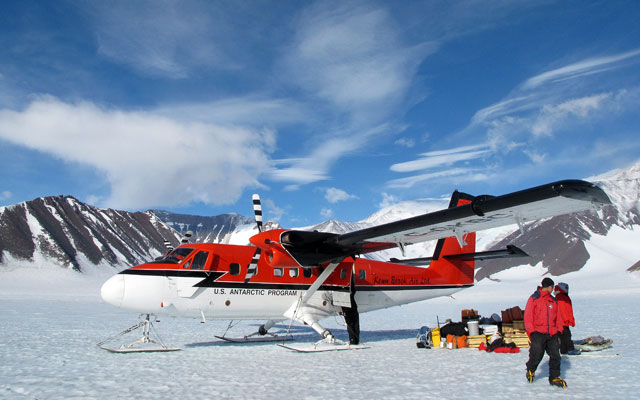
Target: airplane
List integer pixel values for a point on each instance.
(306, 276)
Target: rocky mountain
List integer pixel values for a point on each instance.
(560, 243)
(218, 229)
(65, 232)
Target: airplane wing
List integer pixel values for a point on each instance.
(483, 212)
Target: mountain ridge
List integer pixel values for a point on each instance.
(70, 234)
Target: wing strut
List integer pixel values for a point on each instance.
(302, 311)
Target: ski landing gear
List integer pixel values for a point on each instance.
(262, 335)
(145, 343)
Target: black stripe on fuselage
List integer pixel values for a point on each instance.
(210, 279)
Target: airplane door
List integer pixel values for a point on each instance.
(342, 298)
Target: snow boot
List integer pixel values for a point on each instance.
(530, 376)
(559, 382)
(574, 352)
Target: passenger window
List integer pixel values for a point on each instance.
(293, 272)
(278, 272)
(362, 275)
(234, 269)
(307, 272)
(200, 260)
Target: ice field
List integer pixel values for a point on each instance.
(50, 327)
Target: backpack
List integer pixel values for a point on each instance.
(424, 339)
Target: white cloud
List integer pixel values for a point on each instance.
(162, 38)
(387, 200)
(553, 115)
(334, 195)
(406, 142)
(466, 173)
(272, 212)
(535, 157)
(353, 57)
(326, 213)
(315, 167)
(442, 158)
(5, 195)
(148, 159)
(249, 110)
(581, 68)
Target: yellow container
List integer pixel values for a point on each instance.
(435, 337)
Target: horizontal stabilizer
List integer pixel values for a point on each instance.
(510, 251)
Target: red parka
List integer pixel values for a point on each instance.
(566, 309)
(542, 314)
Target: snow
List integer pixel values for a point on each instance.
(52, 319)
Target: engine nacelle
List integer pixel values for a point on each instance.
(276, 255)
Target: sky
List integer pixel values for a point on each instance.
(328, 109)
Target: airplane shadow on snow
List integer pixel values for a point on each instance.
(303, 334)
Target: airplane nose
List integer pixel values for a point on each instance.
(113, 290)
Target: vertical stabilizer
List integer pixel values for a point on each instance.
(455, 271)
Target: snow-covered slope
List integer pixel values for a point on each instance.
(65, 232)
(62, 231)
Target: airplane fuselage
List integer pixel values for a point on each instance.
(211, 282)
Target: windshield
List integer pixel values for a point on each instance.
(175, 256)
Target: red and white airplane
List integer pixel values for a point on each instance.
(306, 276)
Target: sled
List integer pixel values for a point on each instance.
(593, 343)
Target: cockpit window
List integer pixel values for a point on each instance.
(175, 256)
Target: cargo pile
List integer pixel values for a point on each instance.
(506, 332)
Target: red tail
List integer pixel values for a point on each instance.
(454, 271)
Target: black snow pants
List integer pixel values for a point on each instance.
(566, 344)
(541, 342)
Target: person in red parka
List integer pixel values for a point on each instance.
(561, 293)
(543, 322)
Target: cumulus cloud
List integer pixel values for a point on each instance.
(388, 200)
(147, 159)
(334, 195)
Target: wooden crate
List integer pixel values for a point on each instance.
(520, 339)
(475, 341)
(518, 325)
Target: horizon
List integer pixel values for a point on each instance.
(328, 110)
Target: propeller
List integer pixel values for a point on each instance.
(186, 237)
(257, 210)
(252, 268)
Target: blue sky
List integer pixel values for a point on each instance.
(327, 109)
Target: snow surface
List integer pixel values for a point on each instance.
(51, 323)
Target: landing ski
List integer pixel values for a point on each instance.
(139, 350)
(324, 348)
(256, 339)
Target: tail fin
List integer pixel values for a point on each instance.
(454, 271)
